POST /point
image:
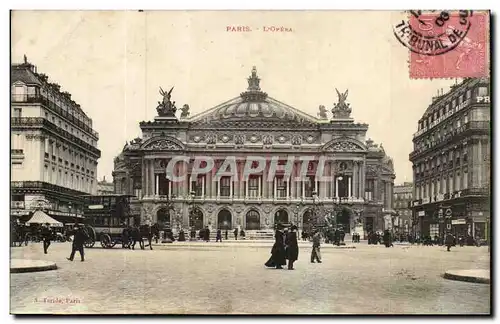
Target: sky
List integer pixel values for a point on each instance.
(113, 63)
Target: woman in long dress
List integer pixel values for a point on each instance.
(278, 256)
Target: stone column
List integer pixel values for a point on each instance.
(270, 189)
(293, 191)
(213, 183)
(336, 187)
(157, 184)
(355, 179)
(208, 184)
(152, 183)
(349, 186)
(265, 184)
(237, 182)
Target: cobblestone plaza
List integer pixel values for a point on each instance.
(231, 279)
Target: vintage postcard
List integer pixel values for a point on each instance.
(250, 162)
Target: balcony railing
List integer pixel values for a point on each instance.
(28, 98)
(447, 138)
(44, 185)
(16, 152)
(38, 121)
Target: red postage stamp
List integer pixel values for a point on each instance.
(446, 44)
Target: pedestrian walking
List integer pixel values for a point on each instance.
(236, 234)
(46, 236)
(218, 236)
(225, 234)
(79, 238)
(277, 258)
(316, 254)
(242, 234)
(192, 234)
(292, 247)
(449, 241)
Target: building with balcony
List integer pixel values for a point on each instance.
(403, 197)
(105, 187)
(360, 173)
(53, 147)
(451, 162)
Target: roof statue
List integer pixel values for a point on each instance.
(166, 108)
(253, 81)
(253, 92)
(25, 59)
(322, 112)
(185, 111)
(341, 110)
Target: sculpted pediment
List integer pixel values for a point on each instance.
(344, 145)
(162, 143)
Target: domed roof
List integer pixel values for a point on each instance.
(254, 104)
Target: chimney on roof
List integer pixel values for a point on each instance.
(104, 179)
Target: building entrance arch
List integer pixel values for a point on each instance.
(196, 219)
(252, 221)
(307, 220)
(163, 217)
(281, 217)
(224, 219)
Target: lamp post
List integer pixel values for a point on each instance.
(296, 212)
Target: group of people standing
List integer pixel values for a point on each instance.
(79, 238)
(286, 248)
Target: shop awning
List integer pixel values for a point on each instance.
(39, 217)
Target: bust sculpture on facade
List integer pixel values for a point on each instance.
(341, 110)
(166, 108)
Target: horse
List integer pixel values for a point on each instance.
(147, 232)
(136, 236)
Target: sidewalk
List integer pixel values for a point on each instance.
(470, 275)
(25, 265)
(245, 243)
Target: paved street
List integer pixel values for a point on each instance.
(208, 279)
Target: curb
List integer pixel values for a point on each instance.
(462, 275)
(16, 266)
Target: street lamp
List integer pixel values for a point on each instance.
(296, 212)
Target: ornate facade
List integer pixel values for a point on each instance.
(53, 147)
(253, 124)
(451, 162)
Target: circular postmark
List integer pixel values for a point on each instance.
(433, 33)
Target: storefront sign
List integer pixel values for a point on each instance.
(458, 222)
(485, 99)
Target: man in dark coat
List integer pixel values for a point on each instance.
(218, 236)
(315, 254)
(387, 238)
(182, 236)
(79, 238)
(206, 234)
(242, 234)
(192, 234)
(225, 234)
(292, 247)
(47, 236)
(277, 258)
(236, 234)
